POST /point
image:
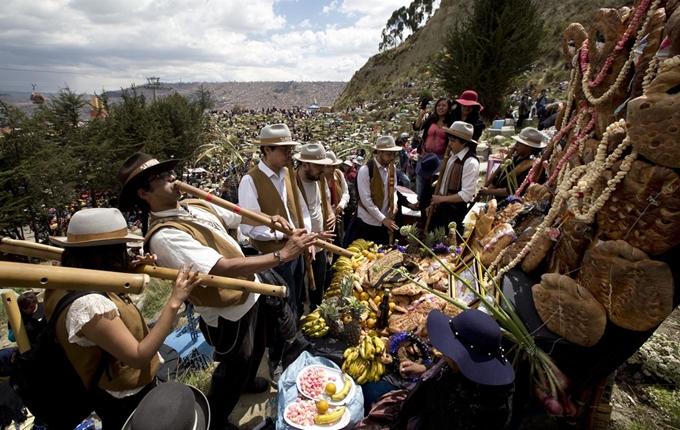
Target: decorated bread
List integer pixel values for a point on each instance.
(644, 209)
(636, 292)
(494, 242)
(574, 237)
(572, 39)
(654, 119)
(569, 309)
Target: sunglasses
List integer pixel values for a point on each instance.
(166, 176)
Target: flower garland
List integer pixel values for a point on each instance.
(586, 70)
(575, 142)
(529, 178)
(617, 49)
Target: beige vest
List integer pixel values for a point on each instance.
(85, 359)
(271, 203)
(204, 296)
(377, 186)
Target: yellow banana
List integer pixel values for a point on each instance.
(330, 417)
(344, 391)
(320, 333)
(363, 378)
(369, 349)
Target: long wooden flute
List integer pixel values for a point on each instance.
(22, 247)
(25, 275)
(197, 192)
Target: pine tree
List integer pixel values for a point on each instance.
(496, 42)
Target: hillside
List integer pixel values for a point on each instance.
(385, 71)
(250, 95)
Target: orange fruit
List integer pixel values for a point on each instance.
(322, 406)
(330, 388)
(377, 299)
(370, 323)
(391, 305)
(364, 295)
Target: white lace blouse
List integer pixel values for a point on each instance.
(81, 312)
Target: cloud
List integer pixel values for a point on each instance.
(93, 44)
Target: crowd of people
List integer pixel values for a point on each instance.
(319, 197)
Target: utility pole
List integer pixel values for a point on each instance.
(154, 84)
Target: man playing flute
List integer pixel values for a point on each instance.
(196, 231)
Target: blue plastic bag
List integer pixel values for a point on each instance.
(288, 391)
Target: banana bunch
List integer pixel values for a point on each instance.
(314, 326)
(361, 245)
(362, 362)
(330, 417)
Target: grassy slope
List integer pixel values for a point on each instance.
(388, 69)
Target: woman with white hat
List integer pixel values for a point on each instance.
(505, 180)
(108, 326)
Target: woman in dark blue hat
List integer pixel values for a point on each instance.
(470, 388)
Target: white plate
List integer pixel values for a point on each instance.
(340, 424)
(339, 382)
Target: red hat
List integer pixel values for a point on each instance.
(469, 98)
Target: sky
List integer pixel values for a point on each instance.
(94, 45)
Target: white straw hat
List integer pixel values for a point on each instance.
(386, 143)
(95, 227)
(275, 135)
(313, 153)
(532, 137)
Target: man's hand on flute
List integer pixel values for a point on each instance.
(281, 222)
(297, 244)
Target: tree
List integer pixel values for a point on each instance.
(204, 98)
(484, 52)
(405, 18)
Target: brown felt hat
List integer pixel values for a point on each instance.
(130, 176)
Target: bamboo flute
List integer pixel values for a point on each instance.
(15, 321)
(298, 207)
(24, 275)
(197, 192)
(47, 252)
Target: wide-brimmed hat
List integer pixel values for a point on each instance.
(275, 135)
(386, 143)
(171, 405)
(532, 137)
(461, 130)
(469, 98)
(428, 165)
(313, 153)
(348, 162)
(331, 155)
(96, 227)
(473, 340)
(130, 178)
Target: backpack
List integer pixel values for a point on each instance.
(46, 381)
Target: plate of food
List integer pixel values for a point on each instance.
(320, 382)
(316, 415)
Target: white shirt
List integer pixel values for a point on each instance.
(468, 183)
(373, 215)
(247, 199)
(174, 247)
(314, 205)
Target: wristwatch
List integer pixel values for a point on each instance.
(277, 255)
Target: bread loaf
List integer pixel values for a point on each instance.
(636, 292)
(569, 309)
